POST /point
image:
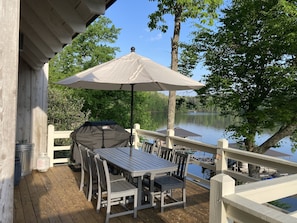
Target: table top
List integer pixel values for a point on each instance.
(136, 162)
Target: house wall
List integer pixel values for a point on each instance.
(32, 108)
(9, 49)
(23, 90)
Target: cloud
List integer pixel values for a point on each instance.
(156, 37)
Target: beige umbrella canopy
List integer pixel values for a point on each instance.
(131, 72)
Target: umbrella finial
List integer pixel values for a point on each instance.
(132, 49)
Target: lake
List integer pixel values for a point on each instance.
(211, 127)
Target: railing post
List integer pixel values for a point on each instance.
(136, 136)
(50, 143)
(221, 161)
(170, 132)
(220, 185)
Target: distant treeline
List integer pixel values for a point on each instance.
(188, 103)
(158, 102)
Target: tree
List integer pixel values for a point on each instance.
(253, 64)
(88, 49)
(181, 10)
(61, 101)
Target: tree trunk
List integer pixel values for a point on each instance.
(254, 171)
(174, 66)
(171, 110)
(283, 132)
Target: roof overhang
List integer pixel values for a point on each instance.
(47, 26)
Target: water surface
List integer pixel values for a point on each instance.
(211, 127)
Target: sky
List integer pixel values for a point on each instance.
(132, 17)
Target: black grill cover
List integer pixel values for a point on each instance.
(95, 135)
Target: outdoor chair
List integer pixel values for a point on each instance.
(89, 181)
(166, 153)
(93, 182)
(147, 147)
(117, 192)
(96, 189)
(86, 175)
(82, 168)
(176, 180)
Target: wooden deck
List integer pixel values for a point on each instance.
(54, 197)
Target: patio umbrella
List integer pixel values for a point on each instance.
(131, 72)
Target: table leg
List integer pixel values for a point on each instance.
(139, 186)
(152, 192)
(140, 194)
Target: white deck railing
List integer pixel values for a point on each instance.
(248, 202)
(52, 148)
(244, 203)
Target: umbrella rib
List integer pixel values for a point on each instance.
(160, 86)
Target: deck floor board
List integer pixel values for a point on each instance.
(54, 196)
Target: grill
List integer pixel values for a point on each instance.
(95, 135)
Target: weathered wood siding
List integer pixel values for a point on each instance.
(9, 39)
(32, 108)
(24, 115)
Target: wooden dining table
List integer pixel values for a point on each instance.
(137, 164)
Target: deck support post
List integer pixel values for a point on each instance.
(220, 185)
(170, 132)
(136, 137)
(221, 161)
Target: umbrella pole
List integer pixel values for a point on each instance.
(131, 115)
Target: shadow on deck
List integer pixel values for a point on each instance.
(54, 197)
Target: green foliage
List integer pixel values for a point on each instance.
(64, 110)
(144, 105)
(115, 105)
(157, 102)
(202, 11)
(188, 59)
(86, 50)
(252, 59)
(184, 104)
